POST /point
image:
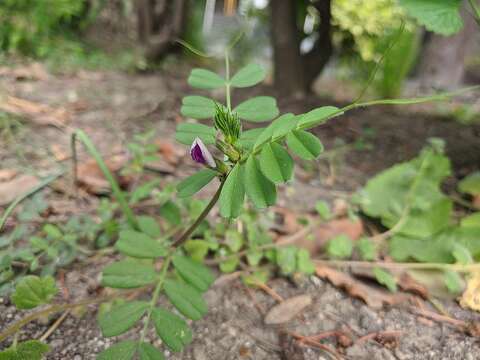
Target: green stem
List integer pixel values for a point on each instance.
(29, 193)
(156, 294)
(117, 192)
(186, 235)
(476, 10)
(227, 80)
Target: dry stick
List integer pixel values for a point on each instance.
(306, 340)
(391, 265)
(55, 325)
(378, 334)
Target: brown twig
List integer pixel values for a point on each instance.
(54, 326)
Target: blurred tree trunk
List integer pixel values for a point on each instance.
(443, 58)
(295, 72)
(160, 22)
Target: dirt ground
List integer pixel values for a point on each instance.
(112, 106)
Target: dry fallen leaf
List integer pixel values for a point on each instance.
(38, 113)
(287, 310)
(7, 174)
(373, 297)
(91, 177)
(471, 296)
(9, 190)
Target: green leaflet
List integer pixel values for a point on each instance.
(205, 79)
(317, 116)
(340, 247)
(453, 282)
(195, 183)
(247, 76)
(442, 17)
(139, 245)
(260, 190)
(276, 164)
(27, 350)
(121, 318)
(304, 262)
(149, 352)
(148, 225)
(198, 107)
(287, 259)
(193, 273)
(33, 291)
(233, 193)
(172, 329)
(470, 184)
(186, 299)
(171, 212)
(187, 132)
(304, 144)
(127, 274)
(258, 109)
(124, 350)
(385, 278)
(248, 138)
(282, 124)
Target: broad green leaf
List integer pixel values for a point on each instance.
(27, 350)
(247, 76)
(304, 262)
(472, 220)
(287, 259)
(258, 109)
(229, 265)
(194, 273)
(186, 299)
(139, 245)
(323, 209)
(453, 282)
(171, 212)
(437, 248)
(470, 184)
(124, 350)
(249, 137)
(197, 249)
(440, 16)
(317, 116)
(143, 191)
(172, 329)
(195, 183)
(205, 79)
(367, 249)
(385, 278)
(461, 254)
(234, 240)
(340, 247)
(121, 318)
(282, 123)
(259, 189)
(276, 164)
(149, 352)
(128, 274)
(33, 291)
(233, 193)
(198, 107)
(187, 132)
(304, 144)
(149, 226)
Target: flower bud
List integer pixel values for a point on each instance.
(200, 153)
(228, 123)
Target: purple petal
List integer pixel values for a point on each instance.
(200, 153)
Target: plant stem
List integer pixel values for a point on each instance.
(184, 237)
(476, 10)
(156, 294)
(227, 80)
(117, 192)
(15, 327)
(392, 265)
(29, 193)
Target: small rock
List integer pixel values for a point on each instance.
(287, 310)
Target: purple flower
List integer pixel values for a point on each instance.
(200, 153)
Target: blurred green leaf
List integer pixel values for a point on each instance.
(149, 226)
(121, 318)
(259, 189)
(195, 183)
(367, 249)
(275, 163)
(187, 132)
(470, 184)
(194, 273)
(139, 245)
(385, 278)
(198, 107)
(171, 212)
(287, 259)
(249, 75)
(124, 350)
(340, 247)
(27, 350)
(233, 193)
(205, 79)
(453, 282)
(258, 109)
(317, 116)
(32, 291)
(149, 352)
(304, 262)
(304, 144)
(186, 299)
(323, 209)
(127, 274)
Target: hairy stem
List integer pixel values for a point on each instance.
(117, 192)
(227, 80)
(156, 294)
(185, 236)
